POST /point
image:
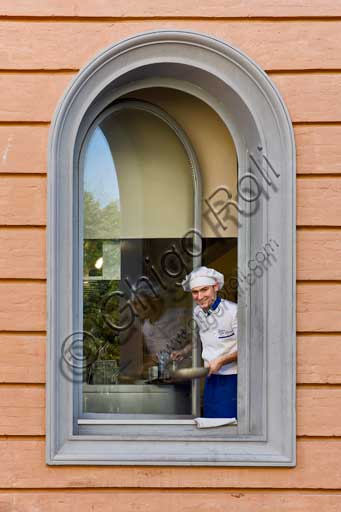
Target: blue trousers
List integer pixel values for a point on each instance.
(220, 396)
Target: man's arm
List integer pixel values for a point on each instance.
(178, 355)
(215, 365)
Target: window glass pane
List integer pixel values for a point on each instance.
(138, 202)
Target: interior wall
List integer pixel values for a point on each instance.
(212, 143)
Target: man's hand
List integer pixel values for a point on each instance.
(177, 355)
(214, 366)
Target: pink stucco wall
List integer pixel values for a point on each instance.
(42, 45)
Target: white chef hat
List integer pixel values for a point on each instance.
(202, 276)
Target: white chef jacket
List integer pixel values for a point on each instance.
(218, 333)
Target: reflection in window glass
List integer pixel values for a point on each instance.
(138, 202)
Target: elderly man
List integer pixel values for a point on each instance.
(217, 322)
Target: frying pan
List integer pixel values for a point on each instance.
(189, 373)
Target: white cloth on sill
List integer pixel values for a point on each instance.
(214, 422)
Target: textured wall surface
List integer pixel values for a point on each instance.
(42, 45)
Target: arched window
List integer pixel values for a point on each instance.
(169, 150)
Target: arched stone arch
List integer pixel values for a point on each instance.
(255, 114)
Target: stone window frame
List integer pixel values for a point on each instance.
(254, 112)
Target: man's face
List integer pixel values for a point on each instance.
(204, 296)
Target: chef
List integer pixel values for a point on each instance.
(217, 323)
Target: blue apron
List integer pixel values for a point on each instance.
(220, 396)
